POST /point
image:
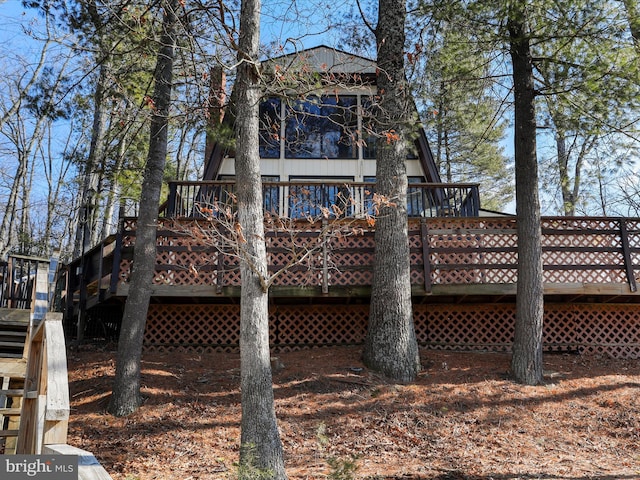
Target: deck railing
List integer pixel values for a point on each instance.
(18, 280)
(44, 419)
(45, 408)
(311, 199)
(599, 256)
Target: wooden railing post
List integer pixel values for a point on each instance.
(11, 290)
(171, 204)
(40, 293)
(325, 257)
(626, 252)
(426, 255)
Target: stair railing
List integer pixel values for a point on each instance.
(44, 420)
(45, 405)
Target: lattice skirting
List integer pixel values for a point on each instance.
(590, 328)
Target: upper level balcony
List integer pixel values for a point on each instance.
(317, 199)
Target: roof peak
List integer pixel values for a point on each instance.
(325, 59)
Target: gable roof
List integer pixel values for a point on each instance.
(324, 59)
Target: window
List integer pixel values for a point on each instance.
(370, 127)
(270, 128)
(322, 127)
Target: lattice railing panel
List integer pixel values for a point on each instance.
(503, 241)
(185, 268)
(350, 277)
(457, 276)
(461, 251)
(584, 276)
(455, 241)
(125, 270)
(559, 332)
(568, 224)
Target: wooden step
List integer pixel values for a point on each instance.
(13, 367)
(18, 392)
(10, 355)
(12, 392)
(14, 316)
(11, 344)
(8, 433)
(10, 412)
(11, 334)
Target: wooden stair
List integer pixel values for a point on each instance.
(14, 332)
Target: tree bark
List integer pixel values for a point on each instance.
(261, 448)
(126, 396)
(390, 345)
(86, 230)
(526, 362)
(568, 201)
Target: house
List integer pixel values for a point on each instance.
(318, 168)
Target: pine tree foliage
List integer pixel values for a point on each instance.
(588, 83)
(463, 112)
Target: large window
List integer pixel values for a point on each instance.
(317, 127)
(322, 127)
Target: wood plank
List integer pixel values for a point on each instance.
(88, 466)
(11, 355)
(8, 433)
(11, 344)
(56, 375)
(13, 367)
(12, 392)
(15, 316)
(10, 411)
(7, 333)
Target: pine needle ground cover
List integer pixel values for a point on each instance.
(462, 419)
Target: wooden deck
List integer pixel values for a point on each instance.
(466, 258)
(463, 274)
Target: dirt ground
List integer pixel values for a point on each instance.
(462, 419)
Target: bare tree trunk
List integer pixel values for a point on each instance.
(126, 397)
(89, 194)
(568, 202)
(14, 222)
(391, 346)
(526, 362)
(261, 448)
(25, 230)
(114, 191)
